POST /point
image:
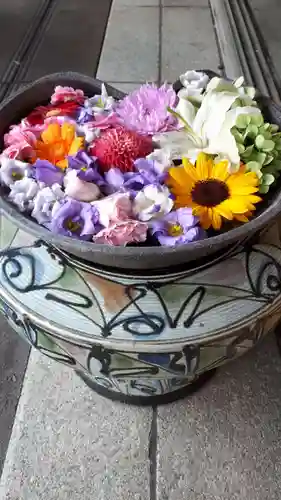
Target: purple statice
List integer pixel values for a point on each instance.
(86, 167)
(145, 110)
(75, 219)
(46, 172)
(177, 228)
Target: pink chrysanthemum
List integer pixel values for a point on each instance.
(118, 147)
(145, 109)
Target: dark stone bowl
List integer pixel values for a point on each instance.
(135, 257)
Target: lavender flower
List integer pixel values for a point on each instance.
(44, 202)
(48, 173)
(75, 219)
(12, 170)
(154, 201)
(86, 167)
(177, 228)
(145, 109)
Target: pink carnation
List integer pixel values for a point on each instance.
(114, 208)
(64, 94)
(123, 232)
(19, 143)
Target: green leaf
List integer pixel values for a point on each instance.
(266, 126)
(257, 120)
(237, 135)
(268, 179)
(251, 131)
(241, 148)
(263, 189)
(260, 157)
(253, 166)
(243, 121)
(270, 169)
(267, 135)
(277, 165)
(273, 128)
(248, 151)
(268, 159)
(268, 145)
(259, 141)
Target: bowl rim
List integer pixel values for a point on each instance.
(26, 223)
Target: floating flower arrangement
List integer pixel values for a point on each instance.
(156, 167)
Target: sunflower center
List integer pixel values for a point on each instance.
(209, 193)
(175, 230)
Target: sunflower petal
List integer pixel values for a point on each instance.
(224, 210)
(202, 166)
(216, 219)
(220, 171)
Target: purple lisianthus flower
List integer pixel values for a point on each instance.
(75, 219)
(86, 167)
(96, 105)
(48, 173)
(150, 171)
(115, 180)
(177, 228)
(145, 110)
(133, 181)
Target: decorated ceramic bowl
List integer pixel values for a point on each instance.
(146, 257)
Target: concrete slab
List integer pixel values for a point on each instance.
(69, 443)
(130, 50)
(185, 3)
(224, 442)
(125, 87)
(188, 41)
(117, 4)
(268, 15)
(15, 19)
(73, 39)
(13, 358)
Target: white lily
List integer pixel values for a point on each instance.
(208, 129)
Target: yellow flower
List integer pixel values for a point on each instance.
(57, 142)
(212, 192)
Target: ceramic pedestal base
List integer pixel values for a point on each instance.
(146, 390)
(144, 338)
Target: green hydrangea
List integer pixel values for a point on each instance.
(259, 146)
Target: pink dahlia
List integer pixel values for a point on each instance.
(145, 109)
(118, 147)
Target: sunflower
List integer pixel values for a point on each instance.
(213, 192)
(57, 142)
